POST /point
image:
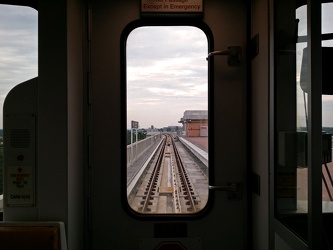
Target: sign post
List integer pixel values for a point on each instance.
(134, 125)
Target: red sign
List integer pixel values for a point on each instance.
(20, 185)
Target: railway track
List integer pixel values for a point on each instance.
(167, 186)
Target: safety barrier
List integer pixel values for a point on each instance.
(136, 149)
(201, 154)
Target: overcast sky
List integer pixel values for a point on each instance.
(166, 74)
(166, 66)
(327, 100)
(18, 48)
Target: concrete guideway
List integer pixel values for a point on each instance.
(198, 152)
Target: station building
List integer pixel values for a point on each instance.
(195, 123)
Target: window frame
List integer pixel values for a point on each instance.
(126, 32)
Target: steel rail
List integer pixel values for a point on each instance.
(154, 177)
(186, 181)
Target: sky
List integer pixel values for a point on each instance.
(18, 48)
(167, 74)
(327, 100)
(166, 66)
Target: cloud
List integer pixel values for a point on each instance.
(18, 47)
(166, 74)
(327, 101)
(166, 70)
(166, 66)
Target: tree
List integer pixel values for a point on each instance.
(142, 134)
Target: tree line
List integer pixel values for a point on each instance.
(142, 134)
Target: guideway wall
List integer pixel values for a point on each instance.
(135, 149)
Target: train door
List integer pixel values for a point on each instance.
(223, 221)
(302, 165)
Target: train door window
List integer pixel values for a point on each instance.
(18, 56)
(167, 119)
(293, 122)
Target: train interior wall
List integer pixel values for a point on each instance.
(60, 142)
(109, 20)
(63, 127)
(259, 96)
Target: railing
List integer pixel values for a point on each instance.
(136, 149)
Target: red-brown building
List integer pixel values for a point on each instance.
(195, 123)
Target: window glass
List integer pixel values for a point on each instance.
(327, 101)
(18, 55)
(167, 119)
(327, 18)
(292, 118)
